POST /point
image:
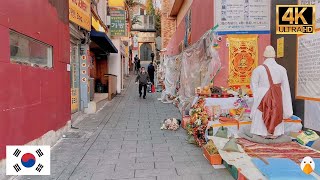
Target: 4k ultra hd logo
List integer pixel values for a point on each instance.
(296, 19)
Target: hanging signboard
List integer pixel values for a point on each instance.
(242, 16)
(118, 23)
(308, 67)
(80, 13)
(313, 2)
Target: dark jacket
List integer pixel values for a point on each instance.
(151, 70)
(136, 59)
(143, 78)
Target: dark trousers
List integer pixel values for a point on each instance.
(144, 89)
(152, 79)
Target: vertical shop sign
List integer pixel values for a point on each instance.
(118, 23)
(84, 76)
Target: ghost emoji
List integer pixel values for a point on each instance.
(307, 165)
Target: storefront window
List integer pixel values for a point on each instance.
(28, 51)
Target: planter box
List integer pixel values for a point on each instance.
(214, 159)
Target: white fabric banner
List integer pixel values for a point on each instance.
(308, 66)
(311, 115)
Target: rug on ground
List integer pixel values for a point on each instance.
(291, 150)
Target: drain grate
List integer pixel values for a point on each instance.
(77, 134)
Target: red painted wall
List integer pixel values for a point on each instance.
(33, 101)
(201, 21)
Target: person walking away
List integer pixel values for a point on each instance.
(136, 60)
(143, 78)
(152, 57)
(138, 65)
(272, 97)
(151, 72)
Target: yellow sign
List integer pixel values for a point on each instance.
(80, 13)
(116, 3)
(243, 58)
(96, 25)
(280, 47)
(127, 51)
(296, 19)
(74, 99)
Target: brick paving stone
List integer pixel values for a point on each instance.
(124, 141)
(124, 166)
(155, 172)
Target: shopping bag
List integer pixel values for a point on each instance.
(153, 89)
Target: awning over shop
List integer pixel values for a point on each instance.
(103, 41)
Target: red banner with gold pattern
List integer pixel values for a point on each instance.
(243, 58)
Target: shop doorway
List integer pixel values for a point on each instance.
(145, 52)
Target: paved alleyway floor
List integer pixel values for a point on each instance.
(124, 141)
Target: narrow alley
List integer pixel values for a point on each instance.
(124, 141)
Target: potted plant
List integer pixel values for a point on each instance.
(211, 153)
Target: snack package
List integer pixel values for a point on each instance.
(307, 136)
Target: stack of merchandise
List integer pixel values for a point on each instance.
(307, 137)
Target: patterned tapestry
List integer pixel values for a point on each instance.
(243, 58)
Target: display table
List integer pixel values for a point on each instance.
(241, 126)
(242, 161)
(224, 103)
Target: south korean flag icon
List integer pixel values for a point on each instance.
(28, 160)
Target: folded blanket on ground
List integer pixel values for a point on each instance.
(290, 150)
(259, 139)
